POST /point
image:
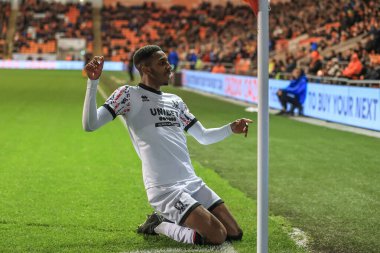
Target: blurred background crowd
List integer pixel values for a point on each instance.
(327, 38)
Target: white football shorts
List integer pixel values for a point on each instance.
(175, 202)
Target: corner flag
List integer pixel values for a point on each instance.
(254, 5)
(262, 12)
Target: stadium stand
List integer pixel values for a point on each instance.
(320, 36)
(40, 24)
(197, 30)
(200, 29)
(5, 10)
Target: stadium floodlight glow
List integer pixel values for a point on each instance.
(263, 127)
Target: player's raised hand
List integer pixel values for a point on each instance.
(94, 67)
(240, 126)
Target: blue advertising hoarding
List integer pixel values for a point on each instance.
(63, 65)
(354, 106)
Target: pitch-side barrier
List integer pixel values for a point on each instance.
(355, 106)
(59, 65)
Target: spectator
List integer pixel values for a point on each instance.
(315, 63)
(199, 64)
(173, 59)
(130, 66)
(333, 68)
(272, 67)
(331, 55)
(372, 72)
(291, 64)
(294, 93)
(218, 68)
(87, 58)
(372, 43)
(354, 68)
(192, 58)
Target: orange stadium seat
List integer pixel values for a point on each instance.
(202, 32)
(309, 40)
(281, 44)
(117, 42)
(120, 23)
(332, 25)
(105, 50)
(153, 34)
(374, 58)
(116, 57)
(90, 46)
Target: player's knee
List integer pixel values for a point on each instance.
(218, 236)
(235, 236)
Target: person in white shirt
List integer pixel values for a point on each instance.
(186, 209)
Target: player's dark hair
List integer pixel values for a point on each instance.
(144, 53)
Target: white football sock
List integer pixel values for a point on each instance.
(176, 232)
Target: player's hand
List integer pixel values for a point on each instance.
(240, 126)
(94, 67)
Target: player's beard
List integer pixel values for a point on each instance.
(163, 77)
(166, 82)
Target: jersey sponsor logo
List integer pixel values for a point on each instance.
(167, 117)
(144, 98)
(163, 112)
(163, 124)
(181, 207)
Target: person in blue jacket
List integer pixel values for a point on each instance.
(192, 58)
(173, 59)
(294, 93)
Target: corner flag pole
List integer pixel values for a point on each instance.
(263, 128)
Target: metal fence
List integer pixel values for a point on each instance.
(230, 69)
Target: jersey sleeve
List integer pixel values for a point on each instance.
(119, 103)
(187, 119)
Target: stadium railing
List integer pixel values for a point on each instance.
(206, 66)
(333, 80)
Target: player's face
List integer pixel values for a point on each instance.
(160, 68)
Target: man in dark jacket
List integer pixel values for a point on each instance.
(173, 59)
(294, 93)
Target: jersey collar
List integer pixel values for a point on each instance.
(143, 86)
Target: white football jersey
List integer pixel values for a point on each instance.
(156, 122)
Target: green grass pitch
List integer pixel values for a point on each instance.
(65, 190)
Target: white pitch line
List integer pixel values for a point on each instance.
(299, 237)
(117, 80)
(102, 92)
(225, 248)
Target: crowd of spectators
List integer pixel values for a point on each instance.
(208, 35)
(332, 21)
(361, 62)
(344, 20)
(5, 10)
(41, 23)
(221, 39)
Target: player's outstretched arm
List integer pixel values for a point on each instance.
(213, 135)
(92, 117)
